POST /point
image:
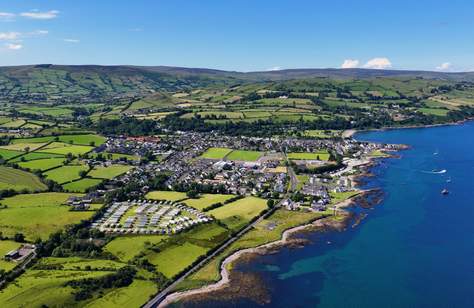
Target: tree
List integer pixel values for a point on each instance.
(19, 237)
(271, 203)
(193, 194)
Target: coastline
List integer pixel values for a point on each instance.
(224, 281)
(285, 239)
(349, 133)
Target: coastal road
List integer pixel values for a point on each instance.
(155, 301)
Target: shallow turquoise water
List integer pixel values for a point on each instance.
(415, 249)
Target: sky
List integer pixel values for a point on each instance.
(244, 35)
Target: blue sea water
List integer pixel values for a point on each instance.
(415, 249)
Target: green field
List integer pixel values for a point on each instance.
(117, 156)
(81, 185)
(35, 155)
(48, 111)
(216, 153)
(323, 155)
(166, 195)
(134, 295)
(173, 255)
(80, 139)
(44, 288)
(8, 154)
(66, 173)
(434, 111)
(109, 172)
(18, 180)
(173, 260)
(127, 247)
(42, 164)
(13, 124)
(206, 200)
(242, 155)
(38, 215)
(45, 285)
(237, 214)
(323, 134)
(23, 147)
(65, 148)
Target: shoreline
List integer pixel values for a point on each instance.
(349, 133)
(285, 239)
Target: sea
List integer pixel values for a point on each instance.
(414, 249)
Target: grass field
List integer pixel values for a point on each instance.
(78, 263)
(337, 197)
(42, 164)
(434, 111)
(323, 134)
(117, 156)
(133, 295)
(5, 247)
(87, 139)
(13, 124)
(18, 179)
(22, 147)
(38, 215)
(35, 155)
(44, 288)
(166, 195)
(173, 260)
(178, 252)
(80, 139)
(236, 214)
(127, 247)
(206, 200)
(40, 287)
(65, 148)
(33, 140)
(66, 173)
(8, 154)
(81, 185)
(216, 153)
(108, 172)
(242, 155)
(309, 156)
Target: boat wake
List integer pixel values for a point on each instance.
(436, 171)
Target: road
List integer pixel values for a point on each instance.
(155, 301)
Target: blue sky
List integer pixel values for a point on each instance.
(245, 35)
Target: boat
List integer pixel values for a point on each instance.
(444, 192)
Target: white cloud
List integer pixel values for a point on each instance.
(40, 32)
(446, 66)
(350, 63)
(69, 40)
(4, 16)
(35, 14)
(275, 68)
(12, 46)
(9, 35)
(378, 63)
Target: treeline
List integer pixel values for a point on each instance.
(86, 287)
(128, 126)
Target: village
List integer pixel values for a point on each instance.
(189, 162)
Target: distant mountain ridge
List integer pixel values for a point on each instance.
(45, 82)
